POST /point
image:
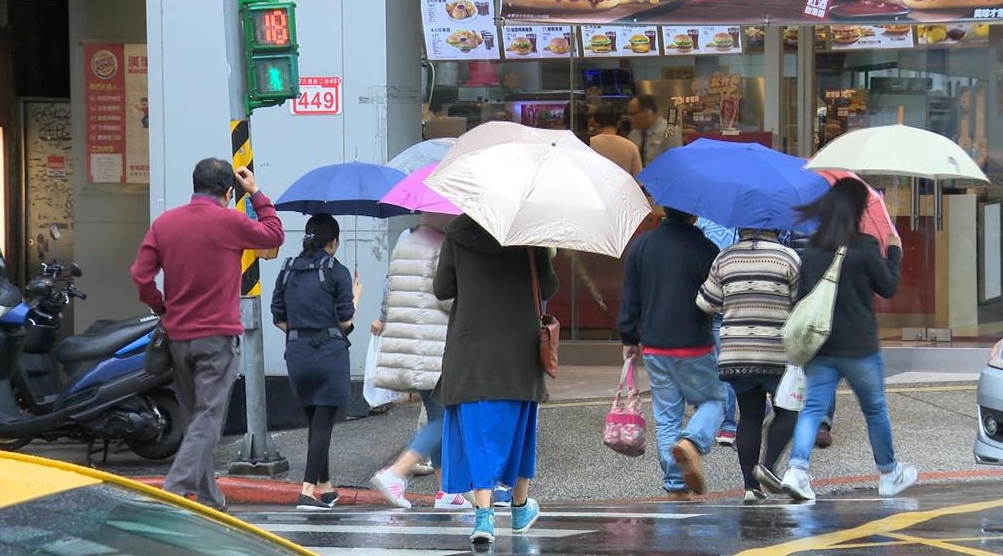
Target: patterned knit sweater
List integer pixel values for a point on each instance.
(754, 284)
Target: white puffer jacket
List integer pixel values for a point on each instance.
(414, 335)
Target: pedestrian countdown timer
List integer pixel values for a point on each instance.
(271, 51)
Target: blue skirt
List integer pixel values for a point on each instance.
(488, 443)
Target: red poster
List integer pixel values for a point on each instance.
(104, 83)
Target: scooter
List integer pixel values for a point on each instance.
(90, 387)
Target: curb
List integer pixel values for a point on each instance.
(240, 490)
(272, 492)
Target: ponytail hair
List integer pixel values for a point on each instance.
(321, 230)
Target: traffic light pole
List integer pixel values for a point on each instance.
(256, 456)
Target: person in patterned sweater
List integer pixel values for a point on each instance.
(754, 284)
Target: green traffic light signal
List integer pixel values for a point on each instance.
(272, 52)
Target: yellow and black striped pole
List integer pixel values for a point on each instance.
(240, 139)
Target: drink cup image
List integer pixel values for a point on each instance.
(612, 39)
(532, 41)
(694, 37)
(482, 8)
(489, 39)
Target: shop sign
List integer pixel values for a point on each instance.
(460, 30)
(619, 41)
(318, 96)
(547, 41)
(749, 12)
(701, 40)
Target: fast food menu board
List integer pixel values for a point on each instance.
(615, 41)
(958, 33)
(850, 37)
(549, 41)
(701, 40)
(460, 30)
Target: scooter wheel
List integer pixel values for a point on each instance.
(13, 444)
(170, 439)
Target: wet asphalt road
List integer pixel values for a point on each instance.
(961, 518)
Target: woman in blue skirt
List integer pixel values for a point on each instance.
(492, 379)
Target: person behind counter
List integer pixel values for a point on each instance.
(606, 142)
(648, 129)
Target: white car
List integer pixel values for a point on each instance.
(989, 395)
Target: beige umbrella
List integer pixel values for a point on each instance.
(897, 150)
(539, 187)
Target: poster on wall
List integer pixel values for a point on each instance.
(615, 41)
(117, 141)
(750, 12)
(137, 115)
(460, 30)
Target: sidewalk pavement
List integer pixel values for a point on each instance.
(934, 419)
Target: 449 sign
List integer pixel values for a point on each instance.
(318, 96)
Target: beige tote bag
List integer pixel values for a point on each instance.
(810, 322)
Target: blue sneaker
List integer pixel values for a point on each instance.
(523, 517)
(501, 496)
(484, 526)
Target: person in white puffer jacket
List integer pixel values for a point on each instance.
(413, 337)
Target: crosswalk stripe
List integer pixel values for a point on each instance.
(365, 551)
(382, 529)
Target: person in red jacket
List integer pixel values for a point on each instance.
(199, 246)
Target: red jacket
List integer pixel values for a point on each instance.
(199, 247)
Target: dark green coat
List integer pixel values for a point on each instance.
(492, 343)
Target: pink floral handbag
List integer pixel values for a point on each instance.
(625, 425)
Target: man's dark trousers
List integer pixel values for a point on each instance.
(204, 372)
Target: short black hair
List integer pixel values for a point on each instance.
(678, 215)
(648, 102)
(213, 176)
(606, 116)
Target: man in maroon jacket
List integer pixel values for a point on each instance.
(199, 246)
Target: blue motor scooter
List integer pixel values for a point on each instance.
(89, 387)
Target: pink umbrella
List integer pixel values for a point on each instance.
(412, 193)
(876, 220)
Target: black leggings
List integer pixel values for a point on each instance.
(749, 438)
(321, 419)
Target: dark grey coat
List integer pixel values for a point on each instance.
(492, 343)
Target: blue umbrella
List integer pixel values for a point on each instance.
(422, 154)
(741, 185)
(349, 188)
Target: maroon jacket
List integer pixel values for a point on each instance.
(199, 246)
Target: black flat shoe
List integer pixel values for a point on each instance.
(309, 503)
(330, 498)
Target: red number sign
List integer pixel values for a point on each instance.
(318, 95)
(272, 27)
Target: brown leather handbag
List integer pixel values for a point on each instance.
(550, 327)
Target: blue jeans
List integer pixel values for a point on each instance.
(731, 404)
(866, 376)
(675, 382)
(427, 440)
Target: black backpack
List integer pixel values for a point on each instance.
(324, 269)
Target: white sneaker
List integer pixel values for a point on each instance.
(903, 477)
(445, 501)
(391, 487)
(797, 484)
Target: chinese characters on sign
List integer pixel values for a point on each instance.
(318, 96)
(460, 30)
(117, 113)
(549, 41)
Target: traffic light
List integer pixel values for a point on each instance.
(271, 51)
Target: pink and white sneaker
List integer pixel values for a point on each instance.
(445, 501)
(391, 487)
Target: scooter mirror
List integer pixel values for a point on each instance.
(75, 270)
(54, 232)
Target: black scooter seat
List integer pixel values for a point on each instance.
(104, 340)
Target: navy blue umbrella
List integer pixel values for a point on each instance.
(740, 185)
(349, 188)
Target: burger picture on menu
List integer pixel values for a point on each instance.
(639, 43)
(600, 44)
(558, 45)
(896, 29)
(520, 45)
(845, 34)
(682, 43)
(722, 41)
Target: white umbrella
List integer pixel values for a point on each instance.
(546, 188)
(897, 150)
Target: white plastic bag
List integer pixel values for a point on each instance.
(790, 392)
(376, 397)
